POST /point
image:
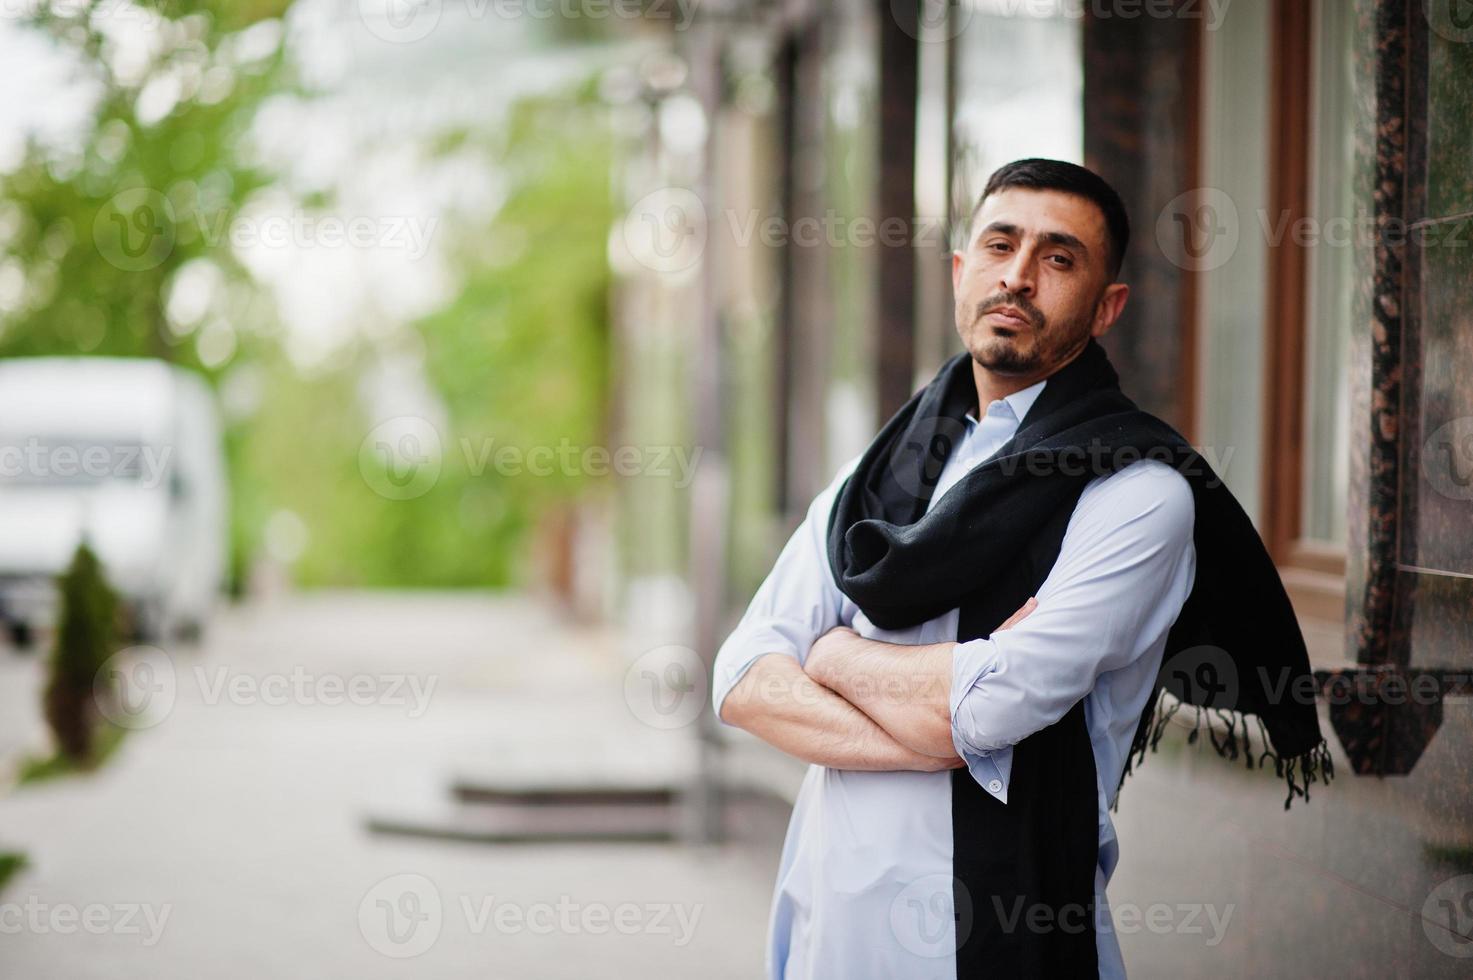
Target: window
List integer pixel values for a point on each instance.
(1330, 278)
(1230, 252)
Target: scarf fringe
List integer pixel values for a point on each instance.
(1298, 772)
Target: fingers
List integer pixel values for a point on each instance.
(1020, 615)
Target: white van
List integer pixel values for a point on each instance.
(126, 453)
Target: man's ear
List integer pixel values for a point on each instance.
(1109, 308)
(957, 263)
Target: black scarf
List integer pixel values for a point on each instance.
(989, 543)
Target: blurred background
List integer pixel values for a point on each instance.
(401, 399)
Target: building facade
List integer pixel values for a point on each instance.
(1299, 175)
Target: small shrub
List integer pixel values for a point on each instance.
(11, 864)
(85, 638)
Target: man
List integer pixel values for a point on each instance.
(964, 635)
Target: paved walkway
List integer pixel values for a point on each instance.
(228, 839)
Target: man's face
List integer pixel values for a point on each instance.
(1033, 284)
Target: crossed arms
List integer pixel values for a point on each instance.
(855, 703)
(793, 675)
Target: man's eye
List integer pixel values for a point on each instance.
(998, 246)
(1062, 261)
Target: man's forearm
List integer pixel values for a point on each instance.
(780, 704)
(904, 689)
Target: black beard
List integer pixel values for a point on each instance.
(1007, 360)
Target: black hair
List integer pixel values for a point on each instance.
(1069, 178)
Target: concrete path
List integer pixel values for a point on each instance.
(227, 839)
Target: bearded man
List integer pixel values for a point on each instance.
(966, 635)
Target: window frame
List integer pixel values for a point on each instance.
(1313, 571)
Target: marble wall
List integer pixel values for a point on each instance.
(1374, 876)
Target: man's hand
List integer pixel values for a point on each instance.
(855, 703)
(780, 704)
(906, 689)
(1020, 615)
(831, 654)
(828, 651)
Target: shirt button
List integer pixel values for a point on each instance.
(994, 786)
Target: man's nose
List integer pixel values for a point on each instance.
(1018, 276)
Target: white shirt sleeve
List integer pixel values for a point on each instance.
(1124, 570)
(796, 604)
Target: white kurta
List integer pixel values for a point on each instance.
(864, 888)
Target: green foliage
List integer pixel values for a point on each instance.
(11, 864)
(38, 769)
(99, 232)
(521, 355)
(518, 358)
(1456, 858)
(85, 639)
(99, 229)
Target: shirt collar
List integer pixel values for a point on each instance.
(1019, 401)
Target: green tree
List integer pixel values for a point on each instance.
(518, 357)
(102, 232)
(99, 229)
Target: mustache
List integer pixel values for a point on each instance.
(1033, 313)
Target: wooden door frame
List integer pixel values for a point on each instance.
(1313, 571)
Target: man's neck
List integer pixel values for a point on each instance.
(992, 386)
